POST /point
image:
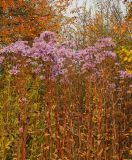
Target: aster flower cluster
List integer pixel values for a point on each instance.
(45, 50)
(51, 90)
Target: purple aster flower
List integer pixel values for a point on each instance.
(42, 77)
(45, 59)
(1, 59)
(14, 70)
(36, 70)
(112, 85)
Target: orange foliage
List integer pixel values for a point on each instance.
(25, 19)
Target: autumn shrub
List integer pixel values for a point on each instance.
(125, 56)
(60, 103)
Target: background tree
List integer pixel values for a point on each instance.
(107, 19)
(26, 19)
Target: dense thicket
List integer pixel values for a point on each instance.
(65, 96)
(58, 103)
